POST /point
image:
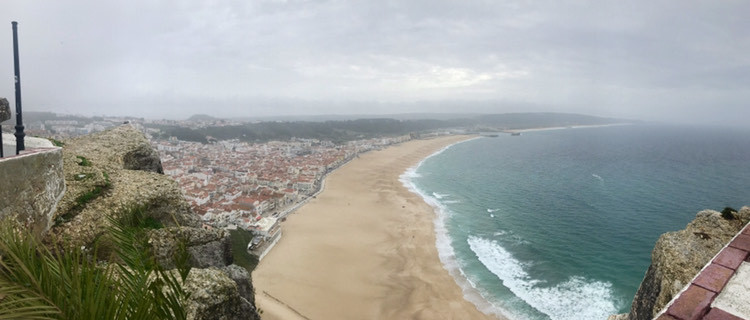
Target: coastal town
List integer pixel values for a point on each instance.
(233, 184)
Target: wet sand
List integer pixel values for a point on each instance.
(363, 249)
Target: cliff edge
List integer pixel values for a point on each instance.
(108, 172)
(678, 256)
(112, 173)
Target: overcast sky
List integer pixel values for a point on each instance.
(652, 60)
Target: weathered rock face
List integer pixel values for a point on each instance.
(241, 277)
(214, 295)
(207, 248)
(110, 172)
(218, 289)
(678, 256)
(143, 157)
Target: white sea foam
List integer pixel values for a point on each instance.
(597, 176)
(439, 195)
(576, 298)
(562, 301)
(409, 174)
(492, 215)
(443, 243)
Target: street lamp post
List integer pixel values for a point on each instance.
(19, 118)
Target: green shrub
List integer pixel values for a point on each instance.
(728, 213)
(239, 239)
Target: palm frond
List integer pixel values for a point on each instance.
(159, 289)
(70, 283)
(17, 302)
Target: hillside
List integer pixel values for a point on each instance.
(123, 220)
(340, 131)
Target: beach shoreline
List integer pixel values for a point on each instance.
(576, 126)
(365, 248)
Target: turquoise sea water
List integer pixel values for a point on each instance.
(560, 224)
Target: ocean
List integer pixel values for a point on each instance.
(560, 224)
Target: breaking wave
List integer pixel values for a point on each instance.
(564, 301)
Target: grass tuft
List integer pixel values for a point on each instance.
(85, 198)
(84, 162)
(55, 142)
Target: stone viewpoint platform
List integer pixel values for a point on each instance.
(721, 290)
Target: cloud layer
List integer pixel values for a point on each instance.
(660, 60)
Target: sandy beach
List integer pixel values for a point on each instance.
(363, 249)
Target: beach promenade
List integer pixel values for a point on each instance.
(363, 249)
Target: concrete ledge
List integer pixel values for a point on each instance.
(32, 185)
(31, 143)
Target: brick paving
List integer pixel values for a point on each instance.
(719, 291)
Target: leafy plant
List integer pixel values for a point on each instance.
(140, 271)
(39, 283)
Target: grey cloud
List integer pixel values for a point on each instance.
(641, 59)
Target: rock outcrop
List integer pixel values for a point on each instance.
(241, 277)
(206, 248)
(111, 172)
(218, 289)
(4, 110)
(213, 295)
(678, 256)
(142, 157)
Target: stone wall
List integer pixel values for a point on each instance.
(32, 184)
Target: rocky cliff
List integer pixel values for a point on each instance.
(678, 256)
(110, 173)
